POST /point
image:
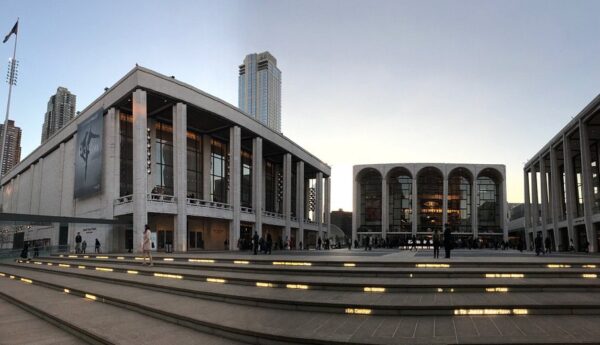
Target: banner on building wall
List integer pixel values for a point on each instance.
(88, 156)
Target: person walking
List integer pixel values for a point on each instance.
(255, 243)
(539, 244)
(319, 243)
(78, 244)
(97, 247)
(269, 244)
(436, 244)
(147, 246)
(447, 240)
(548, 244)
(83, 246)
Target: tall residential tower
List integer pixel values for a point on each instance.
(61, 109)
(12, 152)
(260, 89)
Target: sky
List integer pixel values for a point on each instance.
(362, 81)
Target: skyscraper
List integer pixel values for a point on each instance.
(61, 109)
(260, 89)
(12, 152)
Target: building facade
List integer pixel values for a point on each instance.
(12, 151)
(397, 201)
(153, 150)
(60, 110)
(562, 185)
(259, 92)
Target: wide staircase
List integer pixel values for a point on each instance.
(286, 299)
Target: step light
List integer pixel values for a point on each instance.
(104, 269)
(359, 311)
(482, 312)
(261, 284)
(241, 262)
(168, 259)
(496, 289)
(2, 274)
(216, 280)
(590, 275)
(204, 261)
(374, 289)
(297, 286)
(291, 263)
(90, 297)
(558, 266)
(82, 267)
(589, 266)
(101, 257)
(63, 265)
(38, 262)
(61, 256)
(28, 281)
(71, 256)
(447, 290)
(67, 290)
(132, 272)
(504, 275)
(86, 257)
(138, 258)
(120, 258)
(12, 277)
(432, 265)
(165, 275)
(49, 264)
(349, 264)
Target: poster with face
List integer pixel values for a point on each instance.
(88, 156)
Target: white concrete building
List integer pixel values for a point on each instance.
(562, 185)
(397, 201)
(154, 150)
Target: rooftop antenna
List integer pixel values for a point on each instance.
(11, 79)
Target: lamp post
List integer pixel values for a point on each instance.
(11, 79)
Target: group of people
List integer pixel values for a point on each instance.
(260, 244)
(80, 246)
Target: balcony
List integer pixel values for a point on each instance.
(273, 214)
(247, 210)
(208, 204)
(124, 200)
(161, 198)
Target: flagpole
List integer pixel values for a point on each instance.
(11, 80)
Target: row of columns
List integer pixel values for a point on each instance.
(551, 210)
(140, 180)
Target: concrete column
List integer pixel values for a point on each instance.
(235, 186)
(588, 193)
(112, 189)
(555, 197)
(287, 195)
(300, 203)
(474, 207)
(544, 193)
(206, 165)
(327, 206)
(117, 153)
(385, 222)
(180, 175)
(527, 207)
(569, 189)
(445, 203)
(535, 201)
(140, 175)
(319, 204)
(257, 183)
(414, 206)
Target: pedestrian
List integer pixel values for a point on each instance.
(78, 244)
(571, 246)
(25, 251)
(414, 243)
(255, 243)
(548, 244)
(436, 244)
(147, 245)
(319, 243)
(269, 244)
(83, 246)
(36, 249)
(447, 240)
(539, 244)
(97, 247)
(349, 243)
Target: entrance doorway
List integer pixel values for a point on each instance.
(245, 237)
(164, 238)
(550, 235)
(564, 239)
(581, 235)
(195, 239)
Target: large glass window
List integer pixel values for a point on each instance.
(488, 208)
(563, 191)
(370, 201)
(246, 197)
(194, 165)
(595, 176)
(273, 187)
(163, 158)
(430, 191)
(578, 177)
(400, 201)
(126, 155)
(218, 171)
(459, 201)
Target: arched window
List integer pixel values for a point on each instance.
(459, 200)
(430, 190)
(400, 200)
(489, 206)
(370, 201)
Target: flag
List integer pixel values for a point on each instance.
(13, 31)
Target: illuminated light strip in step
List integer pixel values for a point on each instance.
(558, 266)
(491, 311)
(297, 286)
(104, 269)
(432, 265)
(216, 280)
(38, 263)
(374, 289)
(358, 311)
(291, 263)
(168, 259)
(138, 258)
(12, 277)
(2, 274)
(349, 264)
(132, 272)
(120, 258)
(61, 256)
(63, 265)
(261, 284)
(86, 257)
(241, 262)
(49, 264)
(71, 256)
(81, 266)
(496, 289)
(165, 275)
(101, 257)
(67, 291)
(589, 275)
(504, 275)
(28, 281)
(205, 261)
(447, 290)
(90, 297)
(588, 266)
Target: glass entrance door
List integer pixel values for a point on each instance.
(164, 237)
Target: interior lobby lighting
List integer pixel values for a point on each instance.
(432, 265)
(349, 264)
(360, 311)
(374, 289)
(261, 284)
(291, 263)
(91, 297)
(63, 265)
(104, 269)
(165, 275)
(67, 290)
(589, 266)
(28, 281)
(216, 280)
(101, 257)
(496, 289)
(504, 275)
(297, 286)
(132, 272)
(241, 262)
(589, 275)
(206, 261)
(558, 266)
(482, 312)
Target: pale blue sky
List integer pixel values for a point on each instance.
(363, 81)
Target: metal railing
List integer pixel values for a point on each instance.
(209, 204)
(248, 210)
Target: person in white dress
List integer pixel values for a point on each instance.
(147, 246)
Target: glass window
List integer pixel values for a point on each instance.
(459, 202)
(430, 190)
(219, 185)
(194, 166)
(400, 201)
(488, 208)
(126, 156)
(163, 158)
(246, 187)
(370, 201)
